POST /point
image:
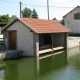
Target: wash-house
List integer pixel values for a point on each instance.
(35, 36)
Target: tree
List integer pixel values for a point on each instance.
(54, 18)
(62, 21)
(13, 17)
(5, 19)
(26, 12)
(34, 14)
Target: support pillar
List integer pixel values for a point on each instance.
(36, 44)
(52, 41)
(66, 40)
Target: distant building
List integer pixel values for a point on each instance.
(35, 36)
(72, 20)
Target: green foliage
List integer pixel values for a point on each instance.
(62, 21)
(13, 17)
(34, 14)
(74, 34)
(26, 12)
(5, 19)
(54, 18)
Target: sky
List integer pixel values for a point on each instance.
(58, 10)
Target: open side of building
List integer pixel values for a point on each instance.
(35, 36)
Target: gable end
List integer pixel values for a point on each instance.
(17, 19)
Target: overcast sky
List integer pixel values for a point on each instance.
(57, 10)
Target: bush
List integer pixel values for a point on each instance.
(74, 34)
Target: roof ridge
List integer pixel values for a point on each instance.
(36, 19)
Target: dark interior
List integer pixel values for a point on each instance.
(44, 41)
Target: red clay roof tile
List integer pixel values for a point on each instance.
(45, 26)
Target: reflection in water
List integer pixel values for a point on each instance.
(2, 71)
(53, 62)
(57, 66)
(32, 68)
(74, 57)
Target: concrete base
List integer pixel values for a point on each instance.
(10, 54)
(73, 42)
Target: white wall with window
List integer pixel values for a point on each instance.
(72, 20)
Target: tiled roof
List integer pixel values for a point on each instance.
(45, 26)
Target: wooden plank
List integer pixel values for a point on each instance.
(60, 52)
(58, 48)
(49, 50)
(45, 51)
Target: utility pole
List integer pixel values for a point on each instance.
(48, 8)
(20, 9)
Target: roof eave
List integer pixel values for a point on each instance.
(27, 25)
(70, 11)
(4, 28)
(53, 32)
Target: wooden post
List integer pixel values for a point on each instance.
(52, 41)
(20, 8)
(48, 8)
(65, 36)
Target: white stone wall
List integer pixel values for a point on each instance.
(73, 42)
(24, 38)
(71, 23)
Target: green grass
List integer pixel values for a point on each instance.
(70, 38)
(1, 40)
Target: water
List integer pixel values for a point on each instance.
(63, 65)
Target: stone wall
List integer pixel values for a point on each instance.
(73, 42)
(36, 44)
(71, 23)
(2, 47)
(24, 38)
(10, 54)
(6, 39)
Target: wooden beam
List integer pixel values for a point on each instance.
(20, 9)
(65, 40)
(52, 41)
